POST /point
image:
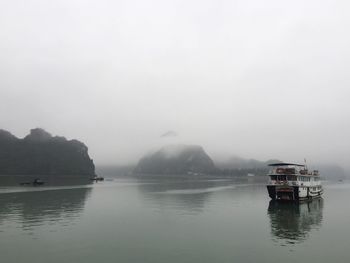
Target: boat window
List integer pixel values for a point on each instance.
(280, 170)
(291, 178)
(273, 177)
(289, 170)
(281, 177)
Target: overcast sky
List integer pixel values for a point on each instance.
(258, 79)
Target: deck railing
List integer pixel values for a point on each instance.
(293, 171)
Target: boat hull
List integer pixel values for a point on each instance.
(293, 193)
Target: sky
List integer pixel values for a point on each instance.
(251, 78)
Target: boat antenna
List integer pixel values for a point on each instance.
(305, 164)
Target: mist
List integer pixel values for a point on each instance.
(249, 78)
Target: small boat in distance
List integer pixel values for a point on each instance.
(293, 182)
(97, 178)
(36, 182)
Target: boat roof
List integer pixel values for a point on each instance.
(285, 164)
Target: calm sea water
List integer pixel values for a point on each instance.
(170, 220)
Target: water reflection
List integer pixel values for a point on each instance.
(31, 209)
(292, 223)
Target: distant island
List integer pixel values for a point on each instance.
(176, 159)
(39, 153)
(193, 160)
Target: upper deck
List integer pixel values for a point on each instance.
(291, 169)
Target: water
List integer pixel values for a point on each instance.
(169, 220)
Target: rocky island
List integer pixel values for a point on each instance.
(176, 159)
(40, 153)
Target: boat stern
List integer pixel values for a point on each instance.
(283, 192)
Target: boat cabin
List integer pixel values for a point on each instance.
(290, 172)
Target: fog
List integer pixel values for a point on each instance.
(257, 79)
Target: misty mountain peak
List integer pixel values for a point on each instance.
(174, 150)
(176, 159)
(6, 135)
(38, 135)
(41, 154)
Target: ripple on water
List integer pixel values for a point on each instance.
(197, 191)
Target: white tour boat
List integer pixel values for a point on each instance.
(293, 182)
